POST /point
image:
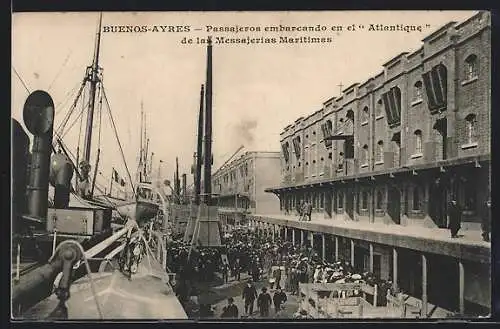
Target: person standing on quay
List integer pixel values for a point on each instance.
(225, 271)
(279, 298)
(455, 218)
(230, 310)
(249, 295)
(486, 221)
(264, 303)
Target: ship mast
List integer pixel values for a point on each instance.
(199, 152)
(207, 188)
(141, 148)
(93, 78)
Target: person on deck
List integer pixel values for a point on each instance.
(455, 218)
(264, 303)
(300, 210)
(308, 211)
(249, 295)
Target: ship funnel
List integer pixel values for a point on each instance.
(20, 164)
(38, 115)
(61, 172)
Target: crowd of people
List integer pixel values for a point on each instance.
(280, 263)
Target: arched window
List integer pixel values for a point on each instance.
(418, 142)
(379, 108)
(380, 154)
(470, 127)
(350, 116)
(340, 199)
(348, 126)
(364, 155)
(416, 198)
(380, 199)
(364, 200)
(471, 69)
(329, 125)
(366, 114)
(417, 91)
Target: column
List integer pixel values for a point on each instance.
(395, 268)
(273, 230)
(424, 286)
(293, 236)
(286, 233)
(352, 253)
(371, 258)
(336, 248)
(461, 282)
(311, 234)
(323, 247)
(301, 237)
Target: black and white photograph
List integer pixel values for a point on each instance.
(250, 166)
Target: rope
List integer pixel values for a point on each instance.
(66, 98)
(22, 81)
(79, 137)
(87, 266)
(117, 139)
(61, 126)
(60, 70)
(100, 116)
(65, 131)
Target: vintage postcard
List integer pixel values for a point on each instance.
(251, 165)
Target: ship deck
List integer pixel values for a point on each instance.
(146, 296)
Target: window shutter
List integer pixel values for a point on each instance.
(431, 98)
(396, 96)
(436, 84)
(387, 106)
(442, 76)
(323, 130)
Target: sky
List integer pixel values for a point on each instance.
(257, 89)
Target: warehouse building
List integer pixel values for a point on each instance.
(239, 186)
(381, 163)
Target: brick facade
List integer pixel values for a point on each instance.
(429, 125)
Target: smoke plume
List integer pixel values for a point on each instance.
(244, 132)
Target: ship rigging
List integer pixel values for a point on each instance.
(130, 262)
